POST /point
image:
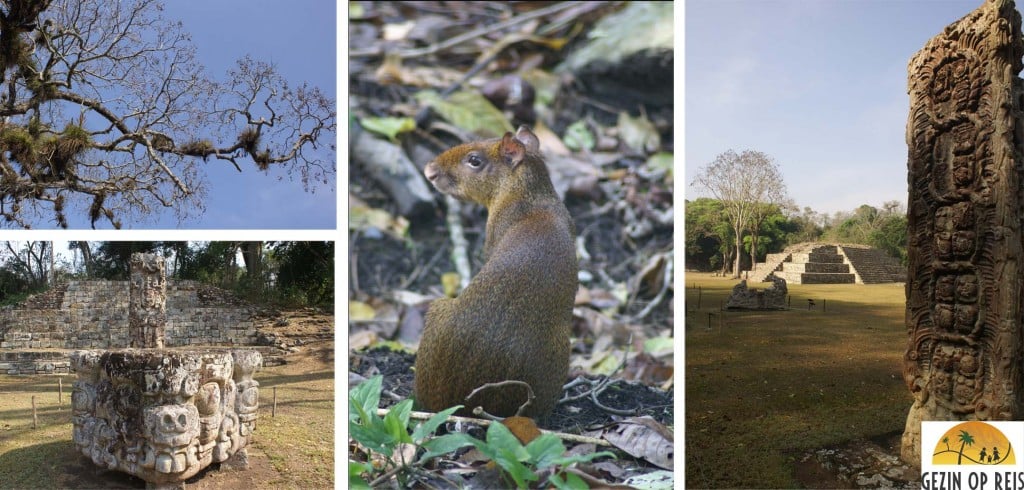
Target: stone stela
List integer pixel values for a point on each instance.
(147, 301)
(964, 306)
(160, 414)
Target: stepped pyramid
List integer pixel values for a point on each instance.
(830, 263)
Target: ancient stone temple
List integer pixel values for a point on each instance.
(162, 414)
(964, 303)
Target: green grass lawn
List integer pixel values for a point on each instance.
(764, 387)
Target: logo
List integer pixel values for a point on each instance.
(973, 443)
(972, 455)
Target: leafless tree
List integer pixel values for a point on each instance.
(747, 184)
(33, 261)
(105, 111)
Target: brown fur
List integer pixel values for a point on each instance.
(512, 322)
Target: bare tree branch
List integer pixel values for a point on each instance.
(105, 111)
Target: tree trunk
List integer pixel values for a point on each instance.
(739, 251)
(753, 251)
(252, 254)
(83, 247)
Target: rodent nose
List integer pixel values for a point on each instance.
(430, 171)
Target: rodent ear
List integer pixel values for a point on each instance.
(511, 150)
(526, 137)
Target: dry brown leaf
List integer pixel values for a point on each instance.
(361, 339)
(643, 437)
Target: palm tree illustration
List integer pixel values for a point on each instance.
(965, 439)
(945, 440)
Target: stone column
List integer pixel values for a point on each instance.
(147, 303)
(964, 306)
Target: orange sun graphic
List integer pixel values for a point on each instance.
(973, 443)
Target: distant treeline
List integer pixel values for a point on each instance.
(285, 274)
(710, 236)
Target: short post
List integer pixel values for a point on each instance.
(35, 419)
(273, 408)
(709, 319)
(699, 293)
(60, 392)
(789, 301)
(823, 307)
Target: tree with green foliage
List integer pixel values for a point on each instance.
(709, 235)
(306, 268)
(742, 182)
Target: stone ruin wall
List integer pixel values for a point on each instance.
(94, 315)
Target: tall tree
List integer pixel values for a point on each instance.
(105, 112)
(742, 182)
(32, 261)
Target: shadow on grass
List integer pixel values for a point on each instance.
(57, 465)
(268, 380)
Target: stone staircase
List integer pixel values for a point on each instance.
(820, 265)
(829, 263)
(873, 266)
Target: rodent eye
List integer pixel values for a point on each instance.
(474, 161)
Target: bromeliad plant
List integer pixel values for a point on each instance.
(386, 440)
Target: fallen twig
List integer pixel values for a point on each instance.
(459, 244)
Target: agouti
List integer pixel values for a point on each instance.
(512, 322)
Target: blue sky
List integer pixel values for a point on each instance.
(299, 37)
(818, 85)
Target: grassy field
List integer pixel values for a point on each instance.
(764, 387)
(294, 449)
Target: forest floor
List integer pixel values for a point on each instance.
(292, 448)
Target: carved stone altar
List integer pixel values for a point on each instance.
(771, 298)
(162, 414)
(964, 304)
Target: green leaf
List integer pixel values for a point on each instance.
(354, 470)
(499, 437)
(544, 450)
(396, 421)
(574, 482)
(659, 345)
(427, 428)
(388, 126)
(468, 110)
(363, 399)
(375, 438)
(581, 458)
(446, 444)
(577, 136)
(508, 453)
(508, 460)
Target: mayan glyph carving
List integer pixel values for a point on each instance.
(163, 415)
(964, 307)
(147, 310)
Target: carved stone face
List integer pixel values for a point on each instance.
(967, 288)
(209, 406)
(965, 317)
(963, 244)
(171, 430)
(943, 316)
(944, 288)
